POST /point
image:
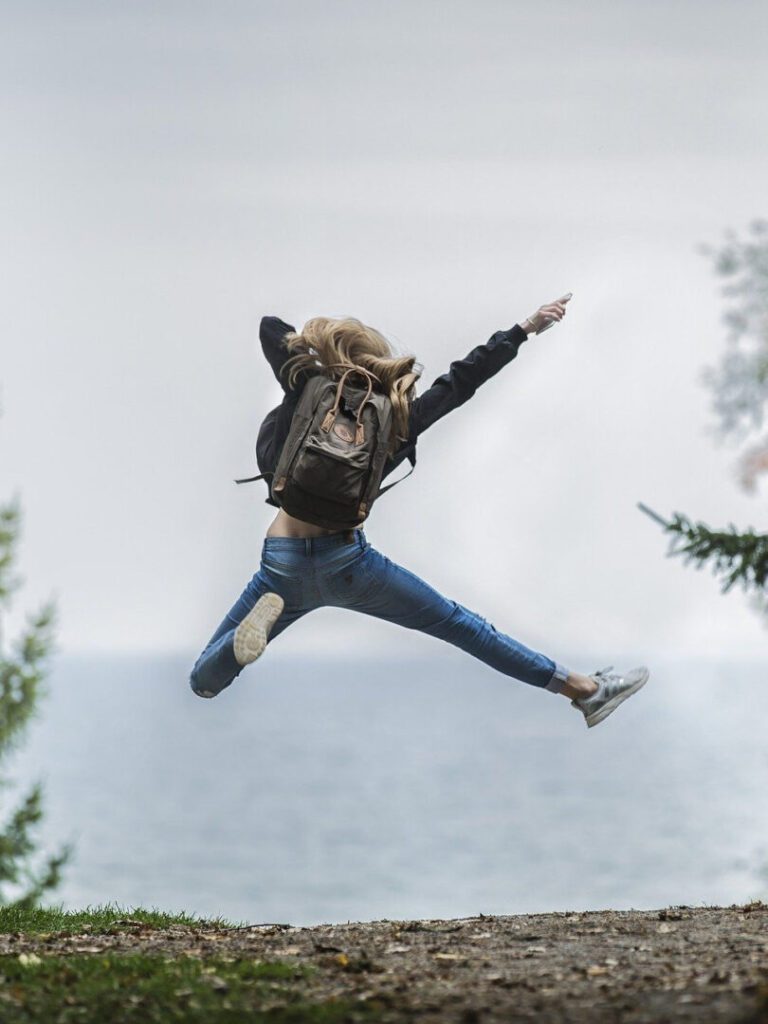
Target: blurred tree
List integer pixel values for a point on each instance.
(740, 388)
(21, 678)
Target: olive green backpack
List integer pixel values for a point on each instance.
(330, 467)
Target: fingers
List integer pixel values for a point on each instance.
(550, 313)
(556, 309)
(553, 310)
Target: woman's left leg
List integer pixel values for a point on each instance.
(389, 591)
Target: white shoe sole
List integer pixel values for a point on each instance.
(611, 705)
(252, 633)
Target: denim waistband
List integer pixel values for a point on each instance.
(307, 545)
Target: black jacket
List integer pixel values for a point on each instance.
(448, 392)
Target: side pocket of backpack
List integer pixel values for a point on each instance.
(301, 422)
(385, 423)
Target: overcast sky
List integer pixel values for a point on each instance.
(173, 171)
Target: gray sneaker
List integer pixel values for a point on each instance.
(253, 631)
(612, 689)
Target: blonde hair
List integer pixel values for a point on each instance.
(324, 341)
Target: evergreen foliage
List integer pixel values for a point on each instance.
(22, 670)
(740, 382)
(740, 388)
(738, 557)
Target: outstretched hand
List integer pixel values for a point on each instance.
(546, 315)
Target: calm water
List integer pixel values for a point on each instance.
(322, 790)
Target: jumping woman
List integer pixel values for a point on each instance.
(306, 566)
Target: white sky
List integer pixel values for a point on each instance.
(173, 172)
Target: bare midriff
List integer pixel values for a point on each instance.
(284, 525)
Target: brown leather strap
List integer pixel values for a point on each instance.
(330, 416)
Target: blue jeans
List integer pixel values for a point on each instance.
(344, 571)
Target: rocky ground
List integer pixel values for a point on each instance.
(678, 964)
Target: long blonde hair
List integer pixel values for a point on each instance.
(326, 340)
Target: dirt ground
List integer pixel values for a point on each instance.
(678, 964)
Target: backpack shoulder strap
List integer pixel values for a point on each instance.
(305, 403)
(250, 479)
(411, 456)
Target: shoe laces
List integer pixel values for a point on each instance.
(603, 671)
(597, 676)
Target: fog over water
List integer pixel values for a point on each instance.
(321, 790)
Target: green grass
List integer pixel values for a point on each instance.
(139, 989)
(107, 918)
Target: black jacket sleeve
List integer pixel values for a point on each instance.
(272, 331)
(463, 378)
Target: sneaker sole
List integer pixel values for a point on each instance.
(606, 709)
(252, 633)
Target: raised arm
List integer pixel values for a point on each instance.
(465, 376)
(272, 331)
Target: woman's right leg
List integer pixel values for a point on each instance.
(217, 666)
(389, 591)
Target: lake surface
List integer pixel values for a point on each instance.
(322, 790)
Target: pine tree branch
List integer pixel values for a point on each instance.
(739, 557)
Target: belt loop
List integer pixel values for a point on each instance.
(307, 545)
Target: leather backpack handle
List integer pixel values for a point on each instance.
(330, 416)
